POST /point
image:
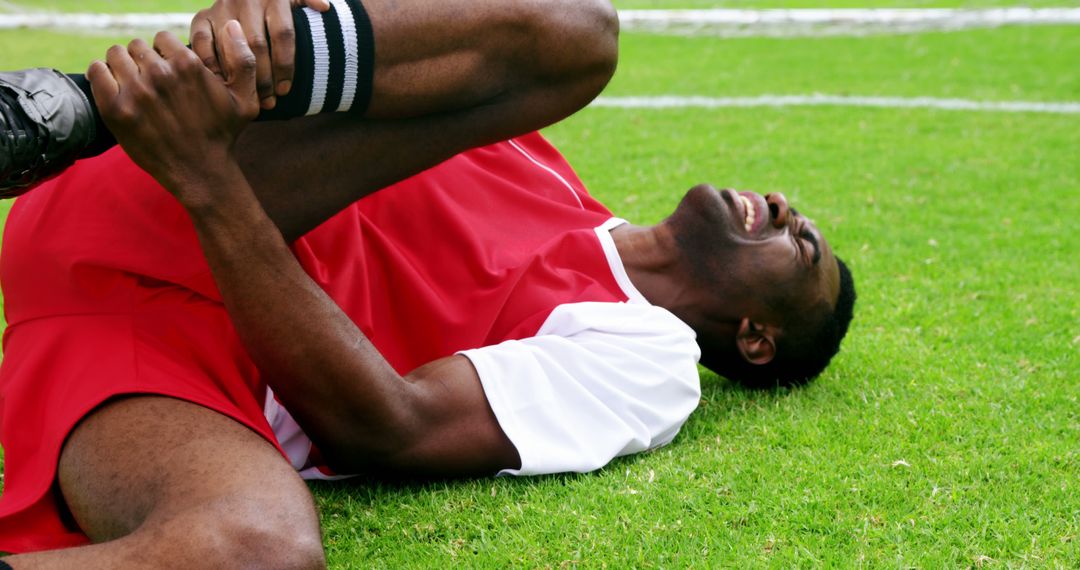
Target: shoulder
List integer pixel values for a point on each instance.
(599, 380)
(616, 320)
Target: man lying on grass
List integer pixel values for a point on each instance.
(421, 285)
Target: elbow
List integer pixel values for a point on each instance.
(376, 441)
(368, 449)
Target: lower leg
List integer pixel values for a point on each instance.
(156, 482)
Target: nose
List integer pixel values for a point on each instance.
(778, 209)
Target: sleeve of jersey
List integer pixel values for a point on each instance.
(598, 381)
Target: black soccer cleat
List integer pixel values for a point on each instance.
(45, 122)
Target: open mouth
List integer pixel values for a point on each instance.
(751, 213)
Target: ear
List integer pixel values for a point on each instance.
(757, 343)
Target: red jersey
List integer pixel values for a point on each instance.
(107, 292)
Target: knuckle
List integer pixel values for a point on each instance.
(160, 73)
(247, 63)
(123, 112)
(187, 63)
(142, 95)
(258, 43)
(201, 37)
(284, 34)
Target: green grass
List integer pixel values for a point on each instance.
(194, 5)
(947, 429)
(1036, 63)
(765, 4)
(139, 6)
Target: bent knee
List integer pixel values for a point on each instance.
(269, 538)
(277, 546)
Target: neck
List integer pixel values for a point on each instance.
(653, 263)
(658, 270)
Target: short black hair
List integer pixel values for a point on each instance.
(799, 357)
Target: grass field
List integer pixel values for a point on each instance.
(946, 434)
(194, 5)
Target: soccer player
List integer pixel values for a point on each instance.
(425, 288)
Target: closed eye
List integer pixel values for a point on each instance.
(810, 237)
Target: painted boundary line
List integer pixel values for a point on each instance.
(835, 22)
(821, 100)
(721, 22)
(93, 22)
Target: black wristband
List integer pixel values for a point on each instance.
(335, 62)
(334, 70)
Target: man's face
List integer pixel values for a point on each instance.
(767, 259)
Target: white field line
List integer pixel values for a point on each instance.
(820, 100)
(93, 22)
(724, 22)
(832, 22)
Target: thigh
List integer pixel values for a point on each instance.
(172, 480)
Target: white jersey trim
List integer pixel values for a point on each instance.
(549, 170)
(618, 270)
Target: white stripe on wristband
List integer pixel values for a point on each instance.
(322, 61)
(352, 57)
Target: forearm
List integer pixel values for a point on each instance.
(334, 382)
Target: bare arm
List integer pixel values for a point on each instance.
(350, 401)
(179, 122)
(449, 75)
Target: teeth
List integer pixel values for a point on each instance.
(749, 222)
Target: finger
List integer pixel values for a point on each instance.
(102, 84)
(254, 25)
(239, 64)
(317, 5)
(122, 66)
(279, 26)
(143, 55)
(169, 46)
(202, 42)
